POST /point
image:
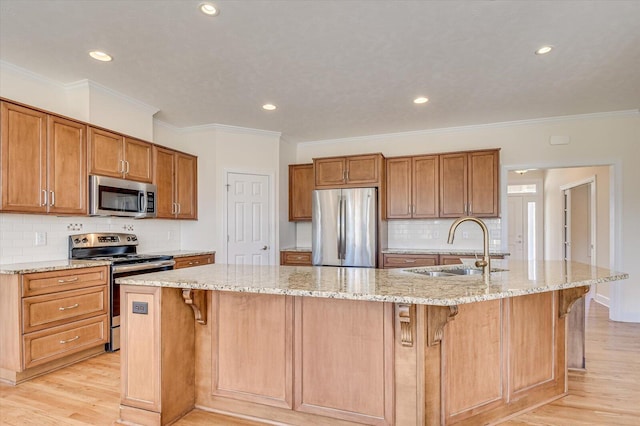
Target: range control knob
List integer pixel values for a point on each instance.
(85, 240)
(77, 240)
(128, 238)
(134, 238)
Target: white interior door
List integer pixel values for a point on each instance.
(525, 227)
(248, 207)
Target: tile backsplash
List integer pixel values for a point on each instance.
(29, 238)
(432, 234)
(426, 234)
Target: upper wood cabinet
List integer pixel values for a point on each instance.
(412, 187)
(43, 161)
(111, 154)
(350, 171)
(300, 191)
(469, 184)
(175, 176)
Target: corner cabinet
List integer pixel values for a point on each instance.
(51, 319)
(469, 184)
(175, 175)
(43, 160)
(350, 171)
(412, 187)
(300, 191)
(111, 154)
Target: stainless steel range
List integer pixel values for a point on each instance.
(120, 250)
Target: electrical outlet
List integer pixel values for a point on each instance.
(74, 227)
(140, 308)
(465, 235)
(41, 238)
(436, 234)
(169, 235)
(128, 227)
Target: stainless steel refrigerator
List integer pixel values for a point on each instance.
(344, 227)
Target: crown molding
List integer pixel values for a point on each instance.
(92, 85)
(216, 127)
(30, 74)
(473, 127)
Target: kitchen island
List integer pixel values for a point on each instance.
(337, 346)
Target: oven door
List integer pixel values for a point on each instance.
(114, 299)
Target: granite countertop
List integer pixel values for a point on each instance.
(305, 249)
(52, 265)
(459, 252)
(183, 253)
(382, 285)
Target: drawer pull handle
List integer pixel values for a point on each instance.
(70, 280)
(409, 261)
(62, 342)
(64, 308)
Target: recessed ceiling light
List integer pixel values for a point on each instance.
(544, 50)
(269, 107)
(208, 9)
(100, 56)
(421, 100)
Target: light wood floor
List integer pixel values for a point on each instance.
(607, 394)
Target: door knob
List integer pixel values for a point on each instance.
(264, 248)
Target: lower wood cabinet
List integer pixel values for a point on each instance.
(295, 258)
(51, 319)
(394, 260)
(408, 260)
(191, 261)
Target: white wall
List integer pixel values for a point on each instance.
(597, 139)
(287, 231)
(221, 149)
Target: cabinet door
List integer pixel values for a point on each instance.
(300, 189)
(186, 182)
(66, 168)
(363, 169)
(138, 160)
(483, 183)
(329, 171)
(23, 159)
(105, 153)
(453, 184)
(399, 203)
(163, 172)
(426, 183)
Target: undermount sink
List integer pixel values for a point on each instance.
(455, 272)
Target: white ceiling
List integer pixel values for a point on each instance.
(338, 68)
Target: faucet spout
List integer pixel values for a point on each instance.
(485, 263)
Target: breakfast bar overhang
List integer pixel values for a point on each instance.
(339, 346)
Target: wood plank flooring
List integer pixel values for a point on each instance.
(608, 393)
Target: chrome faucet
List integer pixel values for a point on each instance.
(485, 263)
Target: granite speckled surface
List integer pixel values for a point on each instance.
(443, 251)
(297, 249)
(53, 265)
(382, 285)
(182, 253)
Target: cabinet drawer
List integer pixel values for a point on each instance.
(56, 309)
(53, 343)
(409, 260)
(295, 258)
(51, 282)
(190, 261)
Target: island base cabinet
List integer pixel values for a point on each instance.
(157, 356)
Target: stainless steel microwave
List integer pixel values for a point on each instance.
(119, 197)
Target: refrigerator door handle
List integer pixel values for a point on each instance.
(343, 225)
(340, 230)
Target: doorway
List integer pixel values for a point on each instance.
(579, 227)
(248, 218)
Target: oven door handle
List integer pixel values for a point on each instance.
(142, 266)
